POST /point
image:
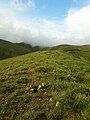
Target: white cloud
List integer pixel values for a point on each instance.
(75, 29)
(78, 22)
(20, 5)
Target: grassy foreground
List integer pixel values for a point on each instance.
(46, 85)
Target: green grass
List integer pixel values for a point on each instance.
(65, 71)
(9, 50)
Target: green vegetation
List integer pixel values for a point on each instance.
(64, 75)
(8, 49)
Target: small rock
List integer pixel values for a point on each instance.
(57, 103)
(3, 112)
(43, 84)
(6, 102)
(40, 99)
(50, 99)
(39, 87)
(34, 90)
(30, 86)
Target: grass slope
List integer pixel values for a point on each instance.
(65, 95)
(8, 49)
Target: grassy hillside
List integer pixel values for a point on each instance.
(8, 49)
(46, 85)
(76, 51)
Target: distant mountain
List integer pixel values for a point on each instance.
(25, 45)
(29, 46)
(9, 49)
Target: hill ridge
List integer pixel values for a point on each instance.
(9, 49)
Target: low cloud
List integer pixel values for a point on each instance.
(75, 29)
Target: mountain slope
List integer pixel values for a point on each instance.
(8, 49)
(77, 51)
(46, 85)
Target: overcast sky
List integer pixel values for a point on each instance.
(45, 22)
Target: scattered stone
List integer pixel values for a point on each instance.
(43, 84)
(3, 112)
(6, 102)
(57, 103)
(40, 99)
(50, 99)
(34, 89)
(39, 87)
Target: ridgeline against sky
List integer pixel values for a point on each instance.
(45, 22)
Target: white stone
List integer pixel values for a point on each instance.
(43, 84)
(30, 86)
(50, 99)
(39, 87)
(57, 103)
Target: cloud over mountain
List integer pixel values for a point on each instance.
(73, 29)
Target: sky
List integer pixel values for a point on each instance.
(45, 22)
